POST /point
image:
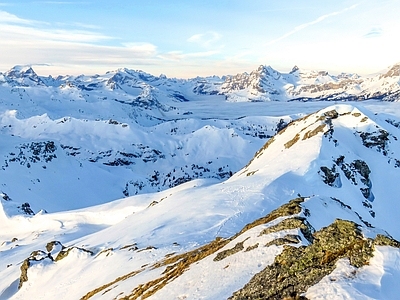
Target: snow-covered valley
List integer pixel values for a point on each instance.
(131, 186)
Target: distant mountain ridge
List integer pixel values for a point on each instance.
(266, 84)
(262, 84)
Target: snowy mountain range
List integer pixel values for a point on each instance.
(254, 186)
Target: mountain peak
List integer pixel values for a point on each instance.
(21, 72)
(311, 132)
(294, 69)
(394, 71)
(267, 71)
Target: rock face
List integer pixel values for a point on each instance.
(55, 251)
(296, 269)
(35, 257)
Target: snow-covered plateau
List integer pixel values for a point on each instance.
(262, 185)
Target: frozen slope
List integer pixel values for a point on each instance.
(322, 190)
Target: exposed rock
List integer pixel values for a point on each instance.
(311, 133)
(147, 248)
(292, 223)
(296, 269)
(249, 248)
(34, 257)
(54, 248)
(223, 254)
(393, 122)
(291, 208)
(358, 172)
(105, 252)
(65, 252)
(5, 196)
(24, 272)
(376, 139)
(281, 125)
(330, 176)
(293, 141)
(393, 71)
(131, 247)
(26, 209)
(332, 114)
(383, 240)
(176, 266)
(287, 239)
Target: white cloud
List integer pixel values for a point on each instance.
(144, 48)
(78, 25)
(6, 18)
(30, 42)
(61, 51)
(14, 28)
(179, 55)
(205, 40)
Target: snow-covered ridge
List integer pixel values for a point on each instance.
(325, 223)
(263, 84)
(266, 84)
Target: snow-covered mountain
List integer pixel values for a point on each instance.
(265, 84)
(221, 193)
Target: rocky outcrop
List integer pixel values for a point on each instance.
(55, 251)
(35, 257)
(298, 268)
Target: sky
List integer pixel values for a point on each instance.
(182, 38)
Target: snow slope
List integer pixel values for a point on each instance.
(199, 215)
(113, 249)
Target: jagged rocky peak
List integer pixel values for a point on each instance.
(256, 80)
(266, 71)
(393, 71)
(295, 69)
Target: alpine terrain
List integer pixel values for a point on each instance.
(262, 185)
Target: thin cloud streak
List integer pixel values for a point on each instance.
(179, 55)
(205, 39)
(305, 25)
(14, 28)
(7, 18)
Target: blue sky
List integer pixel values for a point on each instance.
(188, 38)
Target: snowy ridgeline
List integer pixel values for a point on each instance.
(216, 196)
(128, 132)
(328, 216)
(71, 163)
